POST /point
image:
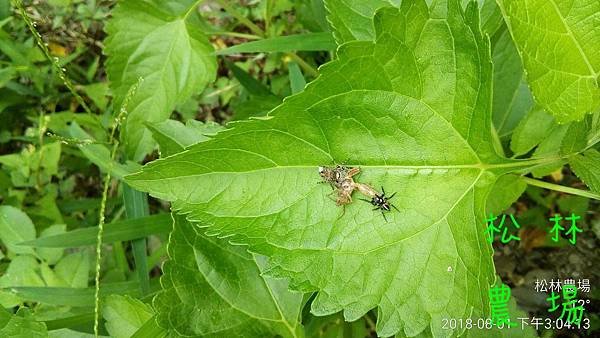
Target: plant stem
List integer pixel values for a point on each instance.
(53, 60)
(241, 18)
(307, 68)
(237, 35)
(560, 188)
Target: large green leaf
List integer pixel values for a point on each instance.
(558, 41)
(421, 127)
(160, 42)
(213, 289)
(512, 98)
(353, 20)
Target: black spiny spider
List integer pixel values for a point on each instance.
(381, 202)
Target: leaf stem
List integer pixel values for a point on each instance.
(241, 18)
(560, 188)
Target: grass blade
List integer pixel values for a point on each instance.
(150, 329)
(136, 206)
(78, 296)
(299, 42)
(125, 230)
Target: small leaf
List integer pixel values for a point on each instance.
(289, 43)
(505, 192)
(297, 81)
(559, 47)
(51, 256)
(576, 138)
(23, 325)
(173, 136)
(536, 126)
(213, 288)
(22, 271)
(587, 167)
(15, 227)
(124, 315)
(74, 269)
(171, 69)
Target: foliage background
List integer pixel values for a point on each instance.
(58, 111)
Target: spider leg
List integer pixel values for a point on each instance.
(376, 209)
(383, 214)
(364, 199)
(391, 196)
(383, 191)
(393, 206)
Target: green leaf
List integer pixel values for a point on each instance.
(15, 227)
(22, 271)
(505, 192)
(421, 128)
(211, 288)
(99, 154)
(23, 325)
(297, 81)
(491, 18)
(117, 231)
(536, 126)
(559, 49)
(587, 167)
(98, 93)
(289, 43)
(515, 331)
(353, 19)
(74, 269)
(576, 138)
(172, 69)
(173, 136)
(124, 315)
(51, 256)
(512, 98)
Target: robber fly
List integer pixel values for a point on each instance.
(341, 181)
(337, 175)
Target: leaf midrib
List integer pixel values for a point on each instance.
(479, 166)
